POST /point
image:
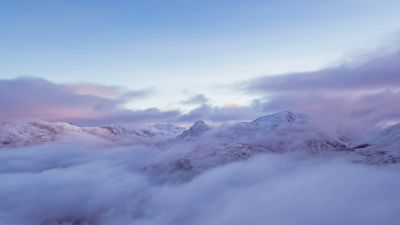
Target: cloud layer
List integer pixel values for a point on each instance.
(81, 103)
(361, 93)
(379, 72)
(91, 104)
(365, 91)
(223, 113)
(196, 99)
(73, 185)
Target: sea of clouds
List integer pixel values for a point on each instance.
(76, 185)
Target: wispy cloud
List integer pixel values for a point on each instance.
(379, 71)
(363, 91)
(227, 113)
(84, 103)
(195, 99)
(92, 104)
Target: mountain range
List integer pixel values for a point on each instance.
(208, 147)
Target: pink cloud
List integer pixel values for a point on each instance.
(84, 103)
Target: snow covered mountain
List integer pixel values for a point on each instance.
(168, 130)
(195, 131)
(207, 147)
(35, 132)
(23, 133)
(278, 119)
(265, 124)
(277, 133)
(283, 132)
(383, 147)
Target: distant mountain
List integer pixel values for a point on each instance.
(32, 132)
(278, 119)
(277, 133)
(195, 131)
(265, 124)
(207, 147)
(35, 132)
(168, 130)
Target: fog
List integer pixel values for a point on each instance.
(71, 184)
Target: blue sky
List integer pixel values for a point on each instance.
(183, 48)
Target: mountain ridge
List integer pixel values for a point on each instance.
(277, 133)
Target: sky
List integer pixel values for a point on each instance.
(183, 58)
(141, 62)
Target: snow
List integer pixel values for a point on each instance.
(35, 132)
(196, 130)
(153, 175)
(382, 147)
(207, 147)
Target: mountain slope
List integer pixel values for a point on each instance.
(195, 131)
(279, 133)
(35, 132)
(383, 147)
(32, 132)
(206, 147)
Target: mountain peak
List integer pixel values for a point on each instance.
(274, 120)
(197, 129)
(199, 123)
